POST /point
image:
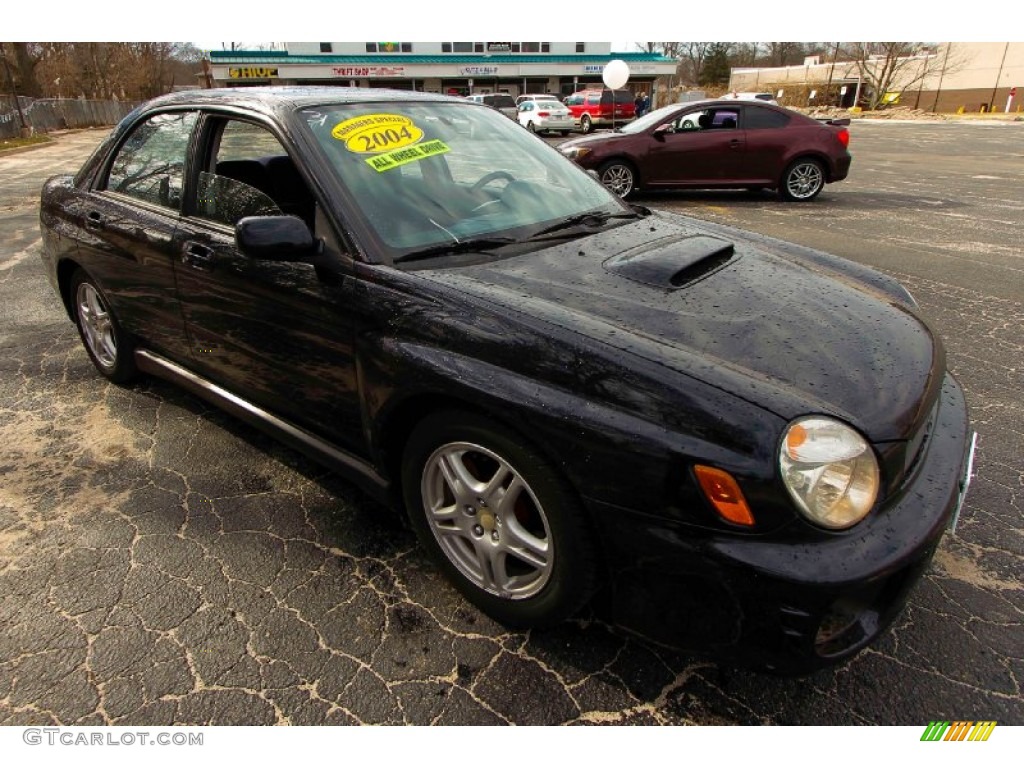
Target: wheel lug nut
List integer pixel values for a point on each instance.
(478, 530)
(470, 510)
(494, 535)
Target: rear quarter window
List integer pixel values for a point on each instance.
(756, 117)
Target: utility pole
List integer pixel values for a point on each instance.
(992, 101)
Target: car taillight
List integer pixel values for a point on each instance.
(543, 114)
(844, 137)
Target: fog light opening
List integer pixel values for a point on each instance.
(847, 623)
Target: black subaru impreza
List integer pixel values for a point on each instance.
(748, 447)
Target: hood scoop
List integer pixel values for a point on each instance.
(673, 265)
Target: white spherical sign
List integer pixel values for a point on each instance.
(616, 73)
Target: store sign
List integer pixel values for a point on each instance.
(478, 70)
(499, 47)
(368, 71)
(593, 69)
(245, 73)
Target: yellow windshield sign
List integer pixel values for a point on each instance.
(388, 160)
(377, 133)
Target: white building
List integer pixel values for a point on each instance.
(948, 77)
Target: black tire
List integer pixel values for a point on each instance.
(475, 538)
(619, 177)
(586, 126)
(531, 127)
(563, 133)
(802, 181)
(110, 348)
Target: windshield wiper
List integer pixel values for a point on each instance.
(458, 246)
(592, 218)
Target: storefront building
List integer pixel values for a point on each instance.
(452, 68)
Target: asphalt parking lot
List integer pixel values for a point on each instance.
(161, 562)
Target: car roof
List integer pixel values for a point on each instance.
(290, 97)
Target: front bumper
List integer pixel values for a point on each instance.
(784, 602)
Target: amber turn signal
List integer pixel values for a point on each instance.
(724, 494)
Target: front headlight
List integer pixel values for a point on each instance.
(575, 153)
(829, 470)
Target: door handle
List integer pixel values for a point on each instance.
(94, 220)
(197, 256)
(735, 143)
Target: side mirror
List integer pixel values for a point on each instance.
(274, 238)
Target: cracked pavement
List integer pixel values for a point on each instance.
(162, 563)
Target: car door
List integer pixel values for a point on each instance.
(274, 333)
(127, 223)
(769, 139)
(703, 146)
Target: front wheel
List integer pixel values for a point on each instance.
(803, 180)
(110, 348)
(619, 177)
(500, 522)
(586, 126)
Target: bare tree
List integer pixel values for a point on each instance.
(894, 67)
(692, 57)
(786, 54)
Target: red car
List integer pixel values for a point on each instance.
(596, 108)
(719, 144)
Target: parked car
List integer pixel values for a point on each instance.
(545, 116)
(596, 108)
(746, 446)
(502, 102)
(719, 144)
(537, 97)
(763, 96)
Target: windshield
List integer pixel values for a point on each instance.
(652, 119)
(426, 174)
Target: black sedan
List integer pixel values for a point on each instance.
(741, 445)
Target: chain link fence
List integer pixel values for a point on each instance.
(46, 115)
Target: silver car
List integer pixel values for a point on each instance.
(545, 116)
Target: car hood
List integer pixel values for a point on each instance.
(768, 326)
(599, 137)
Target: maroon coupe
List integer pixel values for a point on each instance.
(719, 144)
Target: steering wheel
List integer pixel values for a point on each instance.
(492, 176)
(484, 181)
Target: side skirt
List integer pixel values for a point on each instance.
(318, 449)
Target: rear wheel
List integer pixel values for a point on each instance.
(619, 177)
(110, 348)
(802, 181)
(563, 133)
(531, 127)
(585, 125)
(500, 522)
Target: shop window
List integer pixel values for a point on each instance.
(326, 47)
(581, 47)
